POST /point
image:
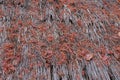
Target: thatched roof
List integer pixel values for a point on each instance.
(59, 39)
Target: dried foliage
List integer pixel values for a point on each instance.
(59, 39)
